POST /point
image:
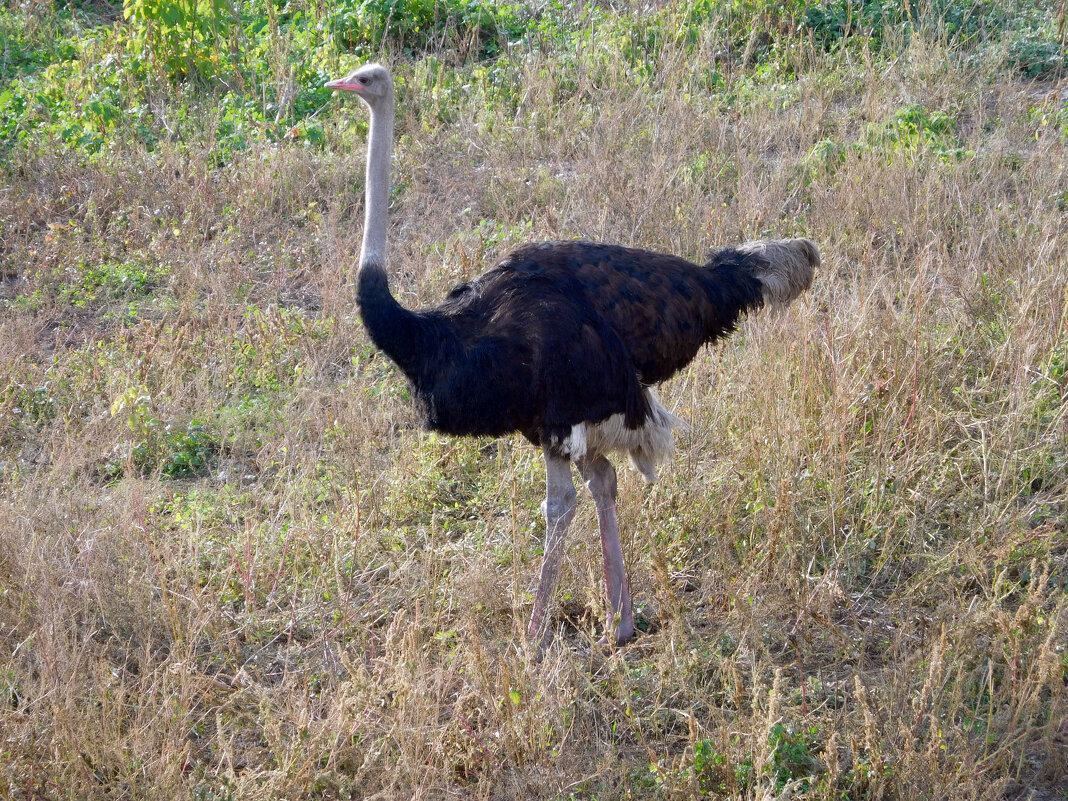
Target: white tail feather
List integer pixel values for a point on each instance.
(787, 267)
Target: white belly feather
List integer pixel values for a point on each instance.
(647, 446)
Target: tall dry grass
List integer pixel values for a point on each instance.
(851, 580)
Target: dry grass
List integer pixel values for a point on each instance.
(853, 577)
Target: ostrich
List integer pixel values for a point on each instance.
(562, 342)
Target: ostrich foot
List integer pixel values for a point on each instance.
(620, 635)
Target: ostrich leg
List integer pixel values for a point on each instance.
(559, 509)
(600, 478)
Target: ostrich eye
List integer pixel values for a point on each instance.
(364, 80)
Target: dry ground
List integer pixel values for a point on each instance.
(232, 567)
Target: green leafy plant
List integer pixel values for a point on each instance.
(917, 129)
(173, 450)
(959, 20)
(29, 44)
(710, 768)
(1037, 56)
(475, 26)
(184, 37)
(110, 281)
(34, 405)
(791, 757)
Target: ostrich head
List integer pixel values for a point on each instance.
(371, 82)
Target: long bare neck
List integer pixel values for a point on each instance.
(414, 341)
(376, 201)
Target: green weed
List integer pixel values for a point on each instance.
(28, 43)
(1038, 56)
(184, 38)
(917, 130)
(160, 447)
(791, 757)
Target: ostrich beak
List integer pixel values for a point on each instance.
(343, 84)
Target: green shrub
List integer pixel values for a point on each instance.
(791, 757)
(29, 44)
(917, 129)
(89, 283)
(1036, 56)
(472, 27)
(957, 20)
(184, 37)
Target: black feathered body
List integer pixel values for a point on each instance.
(558, 334)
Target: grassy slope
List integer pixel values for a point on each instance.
(231, 567)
